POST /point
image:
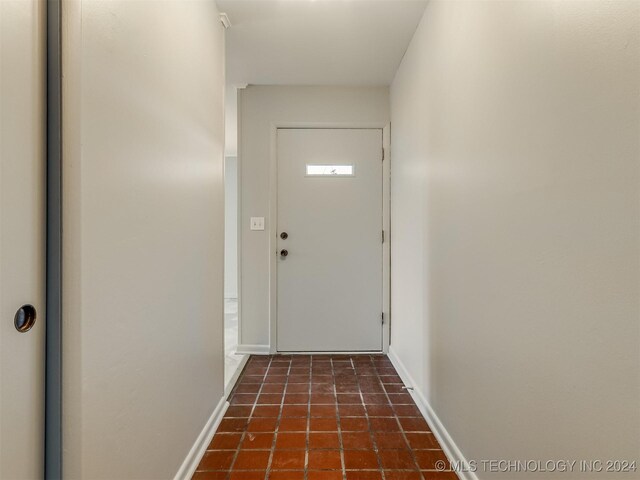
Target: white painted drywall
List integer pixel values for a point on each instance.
(260, 108)
(231, 227)
(272, 42)
(516, 226)
(231, 121)
(143, 233)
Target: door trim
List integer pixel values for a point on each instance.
(273, 218)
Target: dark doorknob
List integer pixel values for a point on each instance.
(284, 235)
(284, 253)
(25, 318)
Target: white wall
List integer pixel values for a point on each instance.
(231, 227)
(143, 233)
(516, 215)
(231, 121)
(261, 107)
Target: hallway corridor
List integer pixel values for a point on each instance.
(322, 417)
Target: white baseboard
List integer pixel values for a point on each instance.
(188, 467)
(253, 349)
(266, 350)
(333, 352)
(451, 450)
(234, 378)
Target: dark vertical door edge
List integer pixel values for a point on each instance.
(53, 392)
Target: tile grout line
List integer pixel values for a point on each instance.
(340, 443)
(366, 414)
(307, 433)
(253, 408)
(275, 432)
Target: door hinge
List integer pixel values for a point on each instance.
(382, 316)
(382, 236)
(383, 154)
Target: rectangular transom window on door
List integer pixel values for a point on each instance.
(330, 170)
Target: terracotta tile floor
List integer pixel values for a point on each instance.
(322, 417)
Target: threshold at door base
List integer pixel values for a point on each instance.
(253, 349)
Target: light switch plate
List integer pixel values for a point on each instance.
(257, 223)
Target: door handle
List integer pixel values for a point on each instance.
(284, 253)
(25, 318)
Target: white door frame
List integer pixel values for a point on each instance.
(273, 230)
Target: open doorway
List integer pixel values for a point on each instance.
(233, 362)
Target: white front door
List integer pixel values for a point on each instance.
(329, 289)
(22, 237)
